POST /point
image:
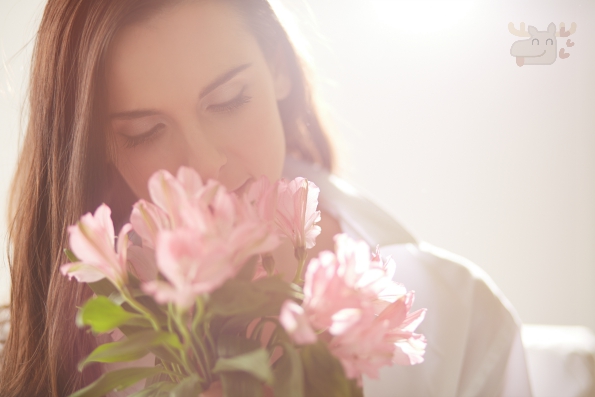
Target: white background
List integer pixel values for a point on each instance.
(434, 120)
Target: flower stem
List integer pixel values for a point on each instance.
(300, 254)
(188, 343)
(140, 308)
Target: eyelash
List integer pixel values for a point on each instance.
(231, 105)
(147, 137)
(152, 134)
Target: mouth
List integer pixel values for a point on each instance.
(535, 56)
(242, 189)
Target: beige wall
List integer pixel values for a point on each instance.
(435, 121)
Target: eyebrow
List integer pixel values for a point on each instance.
(222, 79)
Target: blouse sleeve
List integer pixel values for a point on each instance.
(474, 345)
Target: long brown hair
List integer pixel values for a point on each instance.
(64, 171)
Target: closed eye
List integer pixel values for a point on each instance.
(146, 137)
(231, 105)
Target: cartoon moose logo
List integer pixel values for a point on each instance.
(541, 46)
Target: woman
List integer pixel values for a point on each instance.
(121, 88)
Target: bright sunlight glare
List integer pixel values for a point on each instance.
(421, 16)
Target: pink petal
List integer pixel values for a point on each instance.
(168, 194)
(344, 319)
(410, 351)
(413, 320)
(293, 319)
(123, 245)
(82, 272)
(143, 262)
(166, 293)
(103, 217)
(91, 242)
(395, 313)
(190, 181)
(147, 220)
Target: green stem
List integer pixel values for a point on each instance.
(207, 331)
(301, 255)
(173, 372)
(198, 315)
(203, 359)
(140, 308)
(187, 343)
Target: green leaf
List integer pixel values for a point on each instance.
(159, 378)
(132, 348)
(239, 302)
(236, 296)
(240, 384)
(289, 373)
(103, 287)
(189, 387)
(165, 355)
(324, 375)
(248, 269)
(71, 256)
(255, 363)
(116, 380)
(103, 315)
(233, 345)
(237, 384)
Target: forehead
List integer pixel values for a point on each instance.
(177, 51)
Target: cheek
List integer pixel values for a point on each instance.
(260, 141)
(138, 164)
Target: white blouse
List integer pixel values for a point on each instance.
(474, 341)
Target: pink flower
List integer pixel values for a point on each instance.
(363, 348)
(202, 234)
(326, 291)
(294, 321)
(351, 296)
(177, 197)
(192, 264)
(147, 220)
(296, 211)
(377, 341)
(92, 241)
(263, 195)
(410, 347)
(367, 272)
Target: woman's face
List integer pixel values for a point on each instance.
(190, 86)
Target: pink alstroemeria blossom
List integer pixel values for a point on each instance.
(350, 295)
(326, 291)
(381, 340)
(202, 235)
(191, 264)
(147, 220)
(92, 241)
(410, 347)
(294, 320)
(263, 195)
(297, 212)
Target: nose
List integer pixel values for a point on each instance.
(203, 154)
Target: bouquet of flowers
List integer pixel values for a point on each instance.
(195, 284)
